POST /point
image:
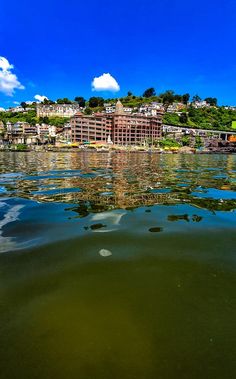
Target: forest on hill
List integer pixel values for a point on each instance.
(211, 116)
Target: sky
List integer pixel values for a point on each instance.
(72, 48)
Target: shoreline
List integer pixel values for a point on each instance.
(119, 151)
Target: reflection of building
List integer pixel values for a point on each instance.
(120, 127)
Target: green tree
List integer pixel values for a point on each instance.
(129, 93)
(80, 100)
(185, 140)
(65, 100)
(96, 102)
(168, 98)
(185, 98)
(23, 104)
(44, 120)
(171, 119)
(196, 98)
(149, 92)
(183, 118)
(88, 111)
(211, 100)
(58, 121)
(168, 142)
(21, 147)
(177, 97)
(48, 101)
(198, 142)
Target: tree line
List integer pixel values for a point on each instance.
(168, 97)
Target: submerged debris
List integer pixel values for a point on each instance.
(105, 253)
(178, 217)
(157, 229)
(95, 226)
(197, 218)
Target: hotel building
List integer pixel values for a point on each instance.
(118, 128)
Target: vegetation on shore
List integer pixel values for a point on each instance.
(203, 118)
(213, 117)
(31, 117)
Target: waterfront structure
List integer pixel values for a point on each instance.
(119, 127)
(20, 127)
(23, 132)
(45, 130)
(60, 110)
(97, 127)
(177, 132)
(66, 135)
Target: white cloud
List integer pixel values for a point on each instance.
(5, 65)
(8, 81)
(105, 82)
(40, 98)
(16, 102)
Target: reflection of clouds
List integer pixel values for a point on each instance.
(12, 214)
(112, 220)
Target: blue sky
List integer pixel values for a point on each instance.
(58, 47)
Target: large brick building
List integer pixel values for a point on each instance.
(118, 128)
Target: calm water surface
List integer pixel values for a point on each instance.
(117, 265)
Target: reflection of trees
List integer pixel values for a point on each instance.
(86, 207)
(101, 181)
(214, 205)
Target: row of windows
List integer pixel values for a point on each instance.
(120, 127)
(126, 132)
(118, 124)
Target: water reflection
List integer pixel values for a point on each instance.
(106, 181)
(126, 269)
(9, 215)
(55, 196)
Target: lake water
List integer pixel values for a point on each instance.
(117, 265)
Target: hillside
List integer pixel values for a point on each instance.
(205, 118)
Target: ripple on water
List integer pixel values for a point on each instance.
(97, 186)
(137, 285)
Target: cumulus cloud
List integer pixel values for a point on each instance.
(40, 98)
(8, 81)
(105, 82)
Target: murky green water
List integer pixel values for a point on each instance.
(117, 266)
